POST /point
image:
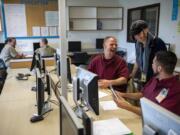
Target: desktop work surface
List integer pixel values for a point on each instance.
(17, 103)
(131, 120)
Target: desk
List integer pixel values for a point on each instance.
(17, 105)
(26, 63)
(131, 120)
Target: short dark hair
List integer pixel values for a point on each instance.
(167, 60)
(9, 39)
(137, 27)
(108, 37)
(44, 40)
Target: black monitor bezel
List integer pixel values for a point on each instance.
(74, 46)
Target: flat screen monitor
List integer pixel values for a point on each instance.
(58, 64)
(39, 93)
(74, 46)
(88, 83)
(99, 43)
(69, 122)
(36, 45)
(157, 120)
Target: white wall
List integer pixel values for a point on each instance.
(88, 38)
(167, 28)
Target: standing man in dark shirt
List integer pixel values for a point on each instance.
(110, 68)
(146, 47)
(163, 89)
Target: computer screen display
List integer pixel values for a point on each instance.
(36, 45)
(74, 46)
(69, 122)
(88, 83)
(157, 120)
(99, 43)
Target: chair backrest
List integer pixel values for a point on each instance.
(1, 46)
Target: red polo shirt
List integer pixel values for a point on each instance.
(110, 69)
(172, 100)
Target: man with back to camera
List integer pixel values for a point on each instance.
(146, 47)
(163, 88)
(110, 68)
(9, 51)
(45, 49)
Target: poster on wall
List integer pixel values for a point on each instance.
(175, 10)
(15, 20)
(51, 18)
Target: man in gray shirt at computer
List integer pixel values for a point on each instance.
(45, 49)
(9, 51)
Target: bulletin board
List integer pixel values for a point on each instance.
(34, 15)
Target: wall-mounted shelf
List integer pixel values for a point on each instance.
(95, 18)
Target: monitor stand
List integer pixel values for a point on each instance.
(46, 108)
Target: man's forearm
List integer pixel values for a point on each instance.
(134, 109)
(134, 96)
(119, 81)
(134, 71)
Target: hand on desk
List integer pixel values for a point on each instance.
(103, 83)
(120, 101)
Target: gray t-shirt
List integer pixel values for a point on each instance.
(7, 53)
(46, 51)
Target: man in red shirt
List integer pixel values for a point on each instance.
(163, 89)
(110, 68)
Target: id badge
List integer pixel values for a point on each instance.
(162, 95)
(143, 77)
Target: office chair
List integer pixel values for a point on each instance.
(1, 46)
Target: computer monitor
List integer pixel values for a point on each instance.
(42, 105)
(99, 43)
(69, 122)
(74, 46)
(36, 45)
(157, 120)
(38, 62)
(88, 83)
(58, 67)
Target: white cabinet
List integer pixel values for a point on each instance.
(95, 18)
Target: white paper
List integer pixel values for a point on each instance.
(15, 20)
(110, 127)
(109, 105)
(36, 31)
(177, 69)
(44, 31)
(53, 31)
(51, 18)
(102, 94)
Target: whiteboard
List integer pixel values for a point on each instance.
(15, 17)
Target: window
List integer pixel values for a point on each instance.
(148, 13)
